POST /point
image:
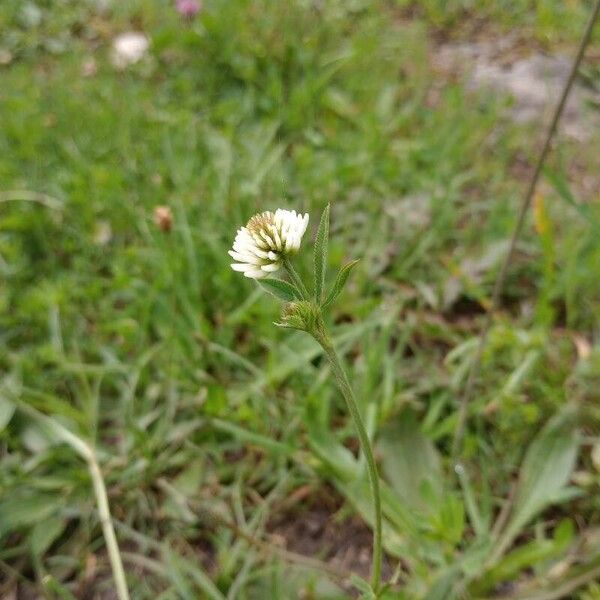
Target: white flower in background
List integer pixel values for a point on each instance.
(260, 247)
(128, 48)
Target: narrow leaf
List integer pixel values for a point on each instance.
(22, 510)
(340, 282)
(45, 533)
(179, 568)
(544, 475)
(477, 521)
(280, 289)
(249, 437)
(321, 254)
(362, 586)
(177, 575)
(7, 410)
(524, 557)
(409, 459)
(546, 469)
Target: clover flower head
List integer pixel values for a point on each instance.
(128, 48)
(188, 8)
(260, 247)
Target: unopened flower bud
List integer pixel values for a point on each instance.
(300, 315)
(163, 217)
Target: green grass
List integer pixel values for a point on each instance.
(149, 346)
(545, 21)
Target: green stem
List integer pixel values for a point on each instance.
(344, 384)
(112, 547)
(88, 454)
(296, 278)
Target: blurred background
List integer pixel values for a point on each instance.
(137, 136)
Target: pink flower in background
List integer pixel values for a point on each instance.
(188, 8)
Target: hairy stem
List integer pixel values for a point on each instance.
(346, 389)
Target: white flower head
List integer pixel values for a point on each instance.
(260, 247)
(129, 48)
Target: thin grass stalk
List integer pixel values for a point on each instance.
(110, 539)
(87, 453)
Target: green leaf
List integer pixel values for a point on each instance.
(250, 437)
(443, 584)
(525, 557)
(321, 254)
(480, 525)
(362, 586)
(401, 525)
(410, 461)
(280, 289)
(544, 475)
(177, 575)
(45, 533)
(546, 469)
(325, 446)
(22, 510)
(178, 570)
(7, 410)
(450, 519)
(55, 589)
(340, 282)
(189, 480)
